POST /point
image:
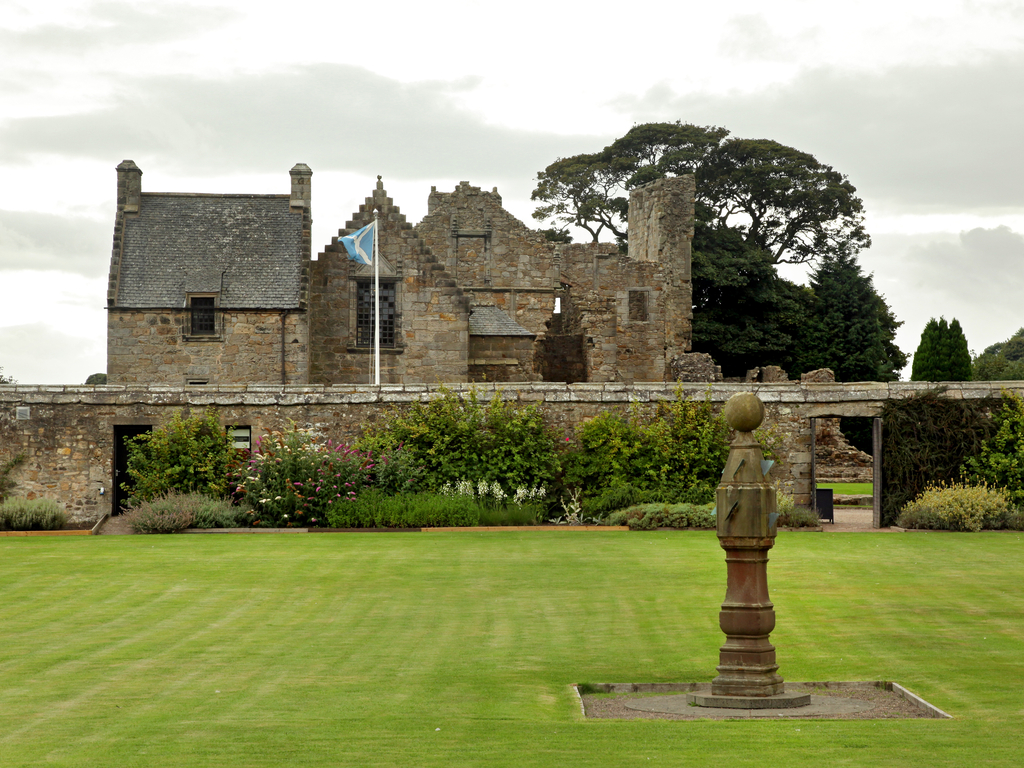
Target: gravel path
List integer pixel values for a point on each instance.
(116, 525)
(884, 705)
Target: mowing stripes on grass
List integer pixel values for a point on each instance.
(354, 650)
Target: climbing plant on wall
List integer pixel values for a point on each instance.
(926, 440)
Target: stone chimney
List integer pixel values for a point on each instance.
(129, 187)
(302, 178)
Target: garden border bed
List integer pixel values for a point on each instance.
(63, 532)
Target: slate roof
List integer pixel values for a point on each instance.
(491, 321)
(247, 247)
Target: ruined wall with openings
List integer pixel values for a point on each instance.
(502, 359)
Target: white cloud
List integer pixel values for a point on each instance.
(45, 241)
(334, 117)
(38, 353)
(975, 276)
(912, 138)
(111, 25)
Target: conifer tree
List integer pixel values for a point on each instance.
(926, 357)
(942, 354)
(959, 354)
(851, 328)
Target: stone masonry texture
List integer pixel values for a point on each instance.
(475, 291)
(67, 433)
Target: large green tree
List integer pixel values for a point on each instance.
(1001, 362)
(851, 328)
(6, 379)
(942, 354)
(744, 314)
(781, 200)
(759, 203)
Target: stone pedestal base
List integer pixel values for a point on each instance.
(780, 701)
(747, 660)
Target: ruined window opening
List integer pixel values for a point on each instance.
(638, 306)
(196, 382)
(364, 313)
(204, 315)
(558, 305)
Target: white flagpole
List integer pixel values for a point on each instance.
(376, 306)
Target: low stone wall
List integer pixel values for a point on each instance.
(67, 433)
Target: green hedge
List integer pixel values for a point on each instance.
(374, 509)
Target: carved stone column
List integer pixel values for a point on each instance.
(746, 531)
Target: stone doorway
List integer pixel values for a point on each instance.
(123, 433)
(876, 465)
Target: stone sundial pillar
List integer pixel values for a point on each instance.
(746, 531)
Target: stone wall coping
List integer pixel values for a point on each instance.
(867, 394)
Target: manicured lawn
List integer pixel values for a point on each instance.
(849, 488)
(457, 649)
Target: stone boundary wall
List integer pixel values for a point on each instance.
(67, 432)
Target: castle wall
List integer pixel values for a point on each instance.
(67, 433)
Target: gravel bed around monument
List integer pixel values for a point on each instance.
(886, 705)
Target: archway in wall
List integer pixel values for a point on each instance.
(876, 466)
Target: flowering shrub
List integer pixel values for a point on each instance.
(493, 494)
(958, 507)
(525, 506)
(397, 470)
(291, 479)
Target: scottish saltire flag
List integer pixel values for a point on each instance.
(360, 244)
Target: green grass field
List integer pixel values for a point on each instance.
(849, 488)
(457, 649)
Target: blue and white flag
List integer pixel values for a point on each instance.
(360, 244)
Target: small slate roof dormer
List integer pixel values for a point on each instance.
(247, 248)
(491, 321)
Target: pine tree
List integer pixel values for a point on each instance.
(851, 328)
(960, 355)
(926, 358)
(942, 354)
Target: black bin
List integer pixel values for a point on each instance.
(823, 501)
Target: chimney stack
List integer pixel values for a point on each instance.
(302, 178)
(129, 187)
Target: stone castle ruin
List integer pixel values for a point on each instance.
(222, 290)
(215, 301)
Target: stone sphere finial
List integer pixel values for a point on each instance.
(744, 412)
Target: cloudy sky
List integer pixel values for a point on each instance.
(918, 103)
